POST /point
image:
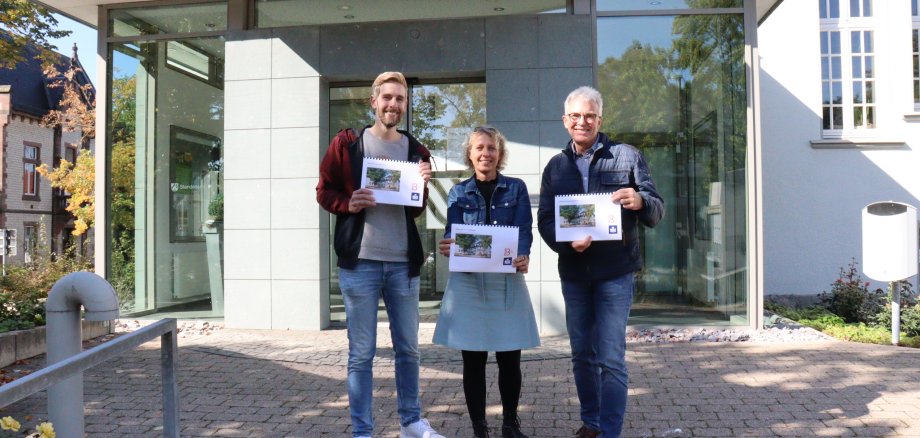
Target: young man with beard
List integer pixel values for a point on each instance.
(379, 256)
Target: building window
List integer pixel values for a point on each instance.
(847, 66)
(30, 161)
(29, 241)
(915, 34)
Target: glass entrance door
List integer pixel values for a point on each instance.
(675, 87)
(440, 116)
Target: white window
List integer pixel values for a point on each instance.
(30, 161)
(29, 241)
(848, 85)
(915, 34)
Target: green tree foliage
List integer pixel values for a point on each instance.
(122, 269)
(465, 242)
(435, 108)
(568, 212)
(24, 22)
(376, 175)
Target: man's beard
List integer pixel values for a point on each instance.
(382, 116)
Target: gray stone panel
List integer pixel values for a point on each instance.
(511, 42)
(555, 86)
(553, 137)
(295, 52)
(512, 95)
(566, 40)
(358, 51)
(419, 48)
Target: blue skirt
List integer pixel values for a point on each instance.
(486, 312)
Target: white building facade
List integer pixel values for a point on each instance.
(840, 130)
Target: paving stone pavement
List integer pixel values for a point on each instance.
(292, 384)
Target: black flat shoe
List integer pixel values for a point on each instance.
(511, 428)
(481, 429)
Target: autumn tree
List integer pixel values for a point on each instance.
(24, 24)
(75, 112)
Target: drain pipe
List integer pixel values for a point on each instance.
(63, 339)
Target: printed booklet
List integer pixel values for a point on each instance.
(594, 214)
(483, 248)
(393, 182)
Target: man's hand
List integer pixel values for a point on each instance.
(628, 198)
(444, 246)
(581, 245)
(424, 169)
(361, 199)
(521, 263)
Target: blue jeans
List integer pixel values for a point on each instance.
(362, 288)
(596, 315)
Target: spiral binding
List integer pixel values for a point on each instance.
(390, 160)
(585, 195)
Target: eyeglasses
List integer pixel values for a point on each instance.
(588, 117)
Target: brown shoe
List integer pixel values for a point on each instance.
(587, 432)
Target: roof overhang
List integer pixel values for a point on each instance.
(86, 11)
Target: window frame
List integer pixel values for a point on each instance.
(845, 25)
(33, 195)
(29, 240)
(915, 52)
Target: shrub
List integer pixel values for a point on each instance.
(851, 299)
(821, 322)
(869, 335)
(25, 288)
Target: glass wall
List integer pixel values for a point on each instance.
(440, 117)
(165, 201)
(675, 87)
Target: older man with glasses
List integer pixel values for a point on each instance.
(598, 278)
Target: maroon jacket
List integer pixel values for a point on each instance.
(340, 175)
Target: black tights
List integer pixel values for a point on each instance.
(474, 382)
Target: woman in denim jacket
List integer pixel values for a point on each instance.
(483, 312)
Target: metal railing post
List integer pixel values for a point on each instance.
(169, 355)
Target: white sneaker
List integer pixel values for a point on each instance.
(419, 429)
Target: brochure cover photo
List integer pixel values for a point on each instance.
(393, 182)
(594, 214)
(483, 248)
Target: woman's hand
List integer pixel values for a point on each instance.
(522, 263)
(444, 247)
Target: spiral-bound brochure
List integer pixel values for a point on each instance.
(483, 248)
(594, 214)
(393, 182)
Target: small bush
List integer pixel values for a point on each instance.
(851, 299)
(823, 321)
(870, 335)
(25, 288)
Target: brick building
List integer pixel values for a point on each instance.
(28, 204)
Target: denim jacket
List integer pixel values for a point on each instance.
(510, 206)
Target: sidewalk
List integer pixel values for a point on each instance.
(291, 384)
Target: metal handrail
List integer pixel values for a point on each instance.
(164, 329)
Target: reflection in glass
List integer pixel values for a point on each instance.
(638, 5)
(679, 85)
(208, 17)
(165, 135)
(441, 115)
(279, 13)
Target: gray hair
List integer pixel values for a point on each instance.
(586, 93)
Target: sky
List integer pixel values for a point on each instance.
(85, 37)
